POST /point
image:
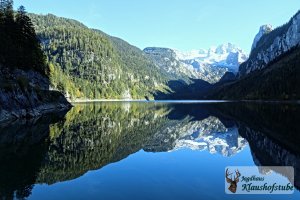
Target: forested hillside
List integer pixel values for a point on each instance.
(87, 63)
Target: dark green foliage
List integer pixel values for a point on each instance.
(95, 64)
(180, 90)
(228, 76)
(134, 61)
(278, 81)
(23, 82)
(20, 47)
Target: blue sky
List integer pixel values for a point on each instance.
(180, 24)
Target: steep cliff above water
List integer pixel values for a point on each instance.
(27, 95)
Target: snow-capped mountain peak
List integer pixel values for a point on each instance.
(209, 65)
(225, 56)
(226, 48)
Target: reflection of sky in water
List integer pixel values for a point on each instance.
(182, 174)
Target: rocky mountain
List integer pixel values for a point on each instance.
(167, 60)
(265, 29)
(268, 45)
(209, 65)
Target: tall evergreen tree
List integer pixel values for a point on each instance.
(1, 30)
(30, 50)
(1, 13)
(20, 47)
(7, 33)
(9, 15)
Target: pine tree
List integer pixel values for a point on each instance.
(2, 35)
(7, 6)
(31, 53)
(7, 31)
(1, 13)
(20, 47)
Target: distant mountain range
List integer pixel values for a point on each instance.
(208, 65)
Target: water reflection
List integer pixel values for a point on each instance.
(23, 146)
(90, 136)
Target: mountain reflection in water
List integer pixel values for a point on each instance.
(63, 147)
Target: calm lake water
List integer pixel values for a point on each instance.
(146, 150)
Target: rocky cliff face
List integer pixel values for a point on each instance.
(26, 95)
(268, 46)
(209, 65)
(265, 29)
(166, 59)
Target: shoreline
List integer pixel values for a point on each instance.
(181, 101)
(35, 113)
(106, 100)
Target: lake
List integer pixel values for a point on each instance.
(146, 150)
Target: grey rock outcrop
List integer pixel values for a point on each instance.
(265, 29)
(27, 95)
(268, 46)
